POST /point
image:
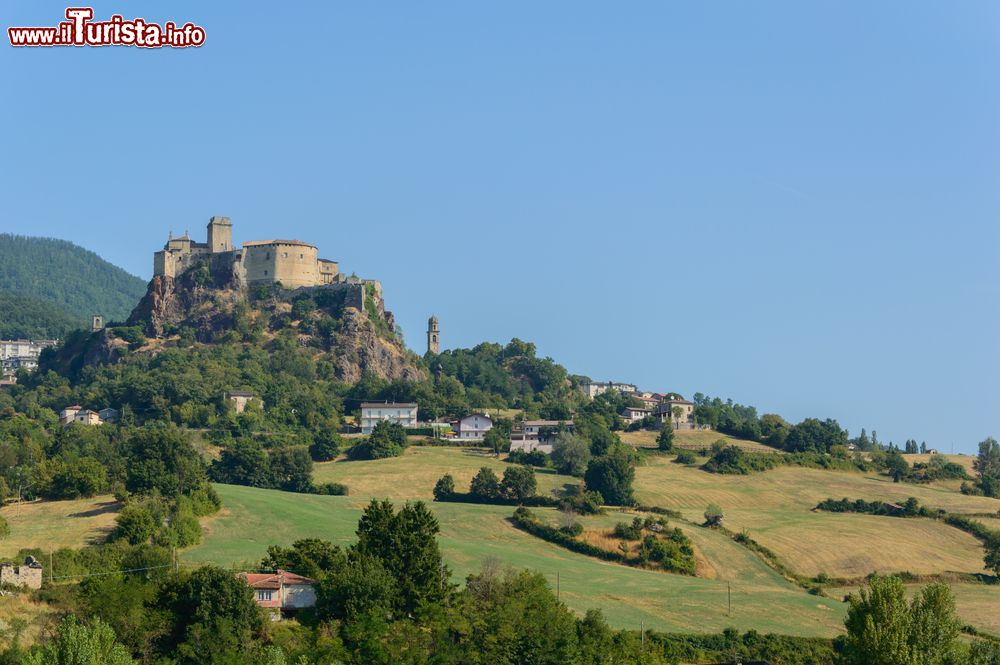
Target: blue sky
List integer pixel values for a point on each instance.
(791, 204)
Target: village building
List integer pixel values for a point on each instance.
(401, 413)
(682, 419)
(108, 415)
(632, 414)
(87, 417)
(240, 398)
(27, 575)
(594, 388)
(18, 354)
(281, 592)
(473, 427)
(538, 434)
(78, 414)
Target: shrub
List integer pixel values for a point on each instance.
(325, 447)
(713, 515)
(534, 458)
(330, 489)
(685, 457)
(135, 525)
(388, 439)
(628, 531)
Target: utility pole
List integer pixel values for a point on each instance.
(642, 633)
(557, 586)
(50, 566)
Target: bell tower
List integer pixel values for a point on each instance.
(433, 335)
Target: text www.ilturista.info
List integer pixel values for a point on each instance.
(80, 30)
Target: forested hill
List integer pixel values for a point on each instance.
(75, 280)
(29, 318)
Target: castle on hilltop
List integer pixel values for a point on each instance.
(293, 263)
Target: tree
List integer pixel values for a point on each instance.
(485, 485)
(519, 483)
(496, 441)
(243, 462)
(813, 435)
(388, 439)
(882, 629)
(987, 465)
(135, 524)
(212, 612)
(163, 459)
(612, 476)
(326, 446)
(992, 558)
(291, 469)
(311, 557)
(897, 467)
(77, 644)
(363, 587)
(444, 488)
(406, 544)
(713, 515)
(570, 454)
(665, 439)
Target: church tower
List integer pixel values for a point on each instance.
(220, 235)
(433, 335)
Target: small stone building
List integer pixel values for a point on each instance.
(240, 399)
(27, 575)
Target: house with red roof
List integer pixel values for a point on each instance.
(281, 592)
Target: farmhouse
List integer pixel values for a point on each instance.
(402, 413)
(473, 427)
(77, 414)
(281, 591)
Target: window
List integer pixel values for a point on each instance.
(265, 273)
(302, 256)
(267, 255)
(263, 595)
(284, 255)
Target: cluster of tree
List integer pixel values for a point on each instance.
(892, 463)
(75, 280)
(518, 485)
(22, 317)
(670, 548)
(909, 508)
(731, 459)
(987, 467)
(247, 462)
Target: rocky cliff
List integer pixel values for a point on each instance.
(344, 323)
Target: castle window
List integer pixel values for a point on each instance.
(265, 273)
(302, 256)
(268, 255)
(285, 256)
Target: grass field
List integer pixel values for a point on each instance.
(413, 475)
(39, 617)
(253, 518)
(54, 524)
(692, 440)
(775, 507)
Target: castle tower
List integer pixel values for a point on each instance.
(220, 235)
(433, 335)
(96, 323)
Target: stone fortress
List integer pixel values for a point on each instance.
(293, 263)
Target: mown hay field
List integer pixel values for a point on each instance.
(50, 525)
(253, 519)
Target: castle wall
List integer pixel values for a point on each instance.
(291, 263)
(21, 576)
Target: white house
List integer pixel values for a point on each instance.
(404, 413)
(633, 414)
(473, 427)
(533, 429)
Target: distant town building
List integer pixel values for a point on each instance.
(594, 388)
(16, 354)
(433, 335)
(108, 415)
(633, 414)
(281, 592)
(473, 427)
(87, 417)
(402, 413)
(683, 419)
(27, 575)
(240, 399)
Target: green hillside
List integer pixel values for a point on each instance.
(75, 280)
(29, 318)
